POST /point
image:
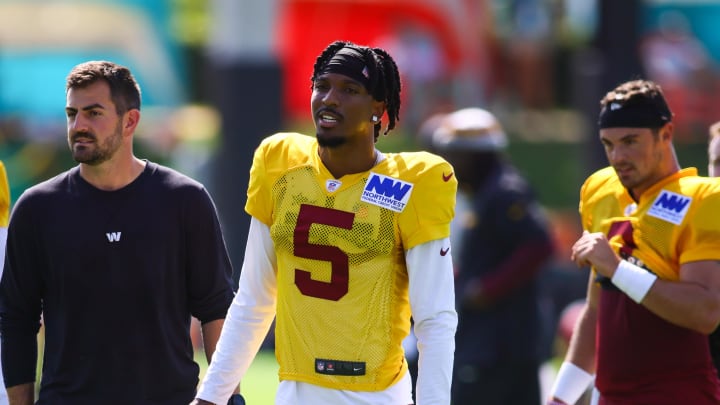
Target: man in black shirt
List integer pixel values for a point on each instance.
(116, 255)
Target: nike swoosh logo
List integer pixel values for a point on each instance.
(448, 177)
(443, 252)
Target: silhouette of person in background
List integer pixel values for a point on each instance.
(505, 243)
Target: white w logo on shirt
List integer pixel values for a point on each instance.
(113, 236)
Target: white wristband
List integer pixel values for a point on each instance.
(633, 280)
(571, 383)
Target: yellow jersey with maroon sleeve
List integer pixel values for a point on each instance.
(674, 222)
(343, 307)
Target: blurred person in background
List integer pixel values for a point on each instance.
(676, 59)
(672, 55)
(4, 219)
(505, 243)
(651, 235)
(346, 243)
(116, 255)
(714, 150)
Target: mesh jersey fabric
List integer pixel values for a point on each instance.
(641, 358)
(4, 219)
(342, 279)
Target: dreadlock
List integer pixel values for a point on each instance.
(383, 77)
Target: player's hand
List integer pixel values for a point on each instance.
(473, 295)
(236, 399)
(593, 249)
(198, 401)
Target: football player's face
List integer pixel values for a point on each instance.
(714, 157)
(636, 154)
(342, 108)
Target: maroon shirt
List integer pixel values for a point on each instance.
(643, 359)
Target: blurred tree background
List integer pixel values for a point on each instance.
(219, 75)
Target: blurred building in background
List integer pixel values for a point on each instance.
(40, 41)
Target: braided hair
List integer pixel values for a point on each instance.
(383, 77)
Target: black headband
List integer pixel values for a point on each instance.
(349, 62)
(650, 113)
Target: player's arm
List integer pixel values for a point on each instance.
(581, 350)
(23, 394)
(248, 321)
(576, 371)
(210, 335)
(693, 301)
(20, 306)
(432, 299)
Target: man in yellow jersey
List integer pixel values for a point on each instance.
(652, 237)
(346, 243)
(4, 219)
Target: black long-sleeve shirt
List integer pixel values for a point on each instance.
(505, 247)
(116, 276)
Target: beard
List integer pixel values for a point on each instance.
(97, 153)
(330, 141)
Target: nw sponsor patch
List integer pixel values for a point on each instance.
(387, 192)
(671, 207)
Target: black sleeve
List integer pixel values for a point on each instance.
(209, 269)
(20, 300)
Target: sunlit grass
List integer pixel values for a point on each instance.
(258, 386)
(260, 383)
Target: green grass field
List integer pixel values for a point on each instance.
(259, 385)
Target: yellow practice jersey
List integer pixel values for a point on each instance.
(343, 307)
(674, 222)
(4, 197)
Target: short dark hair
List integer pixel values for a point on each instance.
(635, 103)
(124, 89)
(383, 81)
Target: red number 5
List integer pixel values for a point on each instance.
(339, 278)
